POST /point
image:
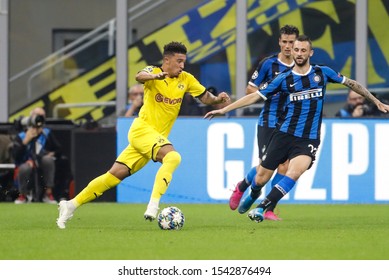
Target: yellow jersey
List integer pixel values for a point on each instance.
(163, 98)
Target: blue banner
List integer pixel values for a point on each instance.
(351, 164)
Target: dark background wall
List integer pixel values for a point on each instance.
(93, 153)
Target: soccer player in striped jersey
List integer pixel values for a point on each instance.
(266, 70)
(297, 136)
(164, 89)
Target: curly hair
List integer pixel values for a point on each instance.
(174, 47)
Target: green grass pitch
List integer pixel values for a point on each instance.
(115, 231)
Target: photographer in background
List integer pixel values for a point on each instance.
(135, 100)
(34, 151)
(356, 107)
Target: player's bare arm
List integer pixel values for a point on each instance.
(209, 99)
(144, 76)
(242, 102)
(251, 89)
(360, 89)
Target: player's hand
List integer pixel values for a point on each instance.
(160, 76)
(213, 113)
(383, 107)
(223, 97)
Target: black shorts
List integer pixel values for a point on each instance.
(263, 138)
(284, 146)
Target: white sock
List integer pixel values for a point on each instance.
(73, 204)
(154, 202)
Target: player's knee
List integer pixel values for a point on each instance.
(173, 158)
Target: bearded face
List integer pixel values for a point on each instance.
(301, 52)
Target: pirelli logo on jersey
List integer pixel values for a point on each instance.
(306, 94)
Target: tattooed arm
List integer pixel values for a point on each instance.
(361, 90)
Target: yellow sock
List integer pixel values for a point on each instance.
(165, 174)
(95, 188)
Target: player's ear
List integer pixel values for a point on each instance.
(311, 53)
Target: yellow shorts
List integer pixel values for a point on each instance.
(144, 144)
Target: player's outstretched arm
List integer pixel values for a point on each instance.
(144, 76)
(360, 89)
(242, 102)
(209, 99)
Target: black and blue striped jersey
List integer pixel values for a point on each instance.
(273, 107)
(304, 94)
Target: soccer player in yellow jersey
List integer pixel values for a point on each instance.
(164, 89)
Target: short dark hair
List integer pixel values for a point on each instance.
(174, 47)
(304, 38)
(289, 30)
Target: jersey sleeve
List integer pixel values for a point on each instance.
(271, 87)
(151, 70)
(194, 87)
(260, 74)
(332, 75)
